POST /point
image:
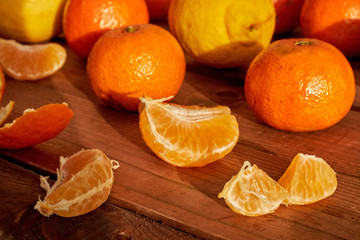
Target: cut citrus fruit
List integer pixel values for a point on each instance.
(252, 192)
(35, 126)
(84, 182)
(187, 136)
(31, 62)
(5, 112)
(308, 179)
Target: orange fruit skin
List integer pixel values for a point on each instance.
(127, 64)
(335, 21)
(84, 21)
(287, 15)
(158, 9)
(300, 85)
(35, 127)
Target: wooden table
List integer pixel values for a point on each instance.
(151, 199)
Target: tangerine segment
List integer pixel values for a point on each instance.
(187, 136)
(5, 112)
(252, 192)
(308, 179)
(35, 126)
(31, 62)
(83, 183)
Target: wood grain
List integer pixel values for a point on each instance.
(186, 198)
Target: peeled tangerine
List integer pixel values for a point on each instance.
(252, 192)
(83, 183)
(187, 136)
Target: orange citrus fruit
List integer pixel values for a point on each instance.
(85, 21)
(136, 60)
(187, 136)
(252, 192)
(31, 62)
(336, 22)
(300, 85)
(2, 83)
(84, 182)
(308, 179)
(6, 111)
(222, 34)
(158, 9)
(287, 15)
(35, 126)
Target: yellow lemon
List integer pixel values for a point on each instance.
(31, 20)
(222, 34)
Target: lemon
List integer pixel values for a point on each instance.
(31, 20)
(222, 34)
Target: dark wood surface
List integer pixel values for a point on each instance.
(151, 199)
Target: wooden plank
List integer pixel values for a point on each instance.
(187, 198)
(20, 189)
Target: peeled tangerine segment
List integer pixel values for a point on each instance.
(34, 126)
(31, 62)
(187, 136)
(84, 182)
(308, 179)
(252, 192)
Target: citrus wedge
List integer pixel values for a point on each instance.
(84, 182)
(308, 179)
(187, 136)
(35, 126)
(252, 192)
(31, 62)
(5, 112)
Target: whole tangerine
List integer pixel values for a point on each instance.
(158, 9)
(300, 85)
(84, 21)
(287, 15)
(129, 62)
(336, 22)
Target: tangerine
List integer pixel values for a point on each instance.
(31, 62)
(300, 85)
(136, 60)
(187, 136)
(84, 182)
(308, 179)
(252, 192)
(2, 83)
(287, 15)
(85, 21)
(158, 9)
(336, 22)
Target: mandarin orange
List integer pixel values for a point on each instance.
(35, 126)
(308, 179)
(287, 15)
(6, 111)
(336, 22)
(136, 60)
(187, 136)
(158, 9)
(252, 192)
(31, 62)
(84, 21)
(2, 83)
(300, 85)
(84, 182)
